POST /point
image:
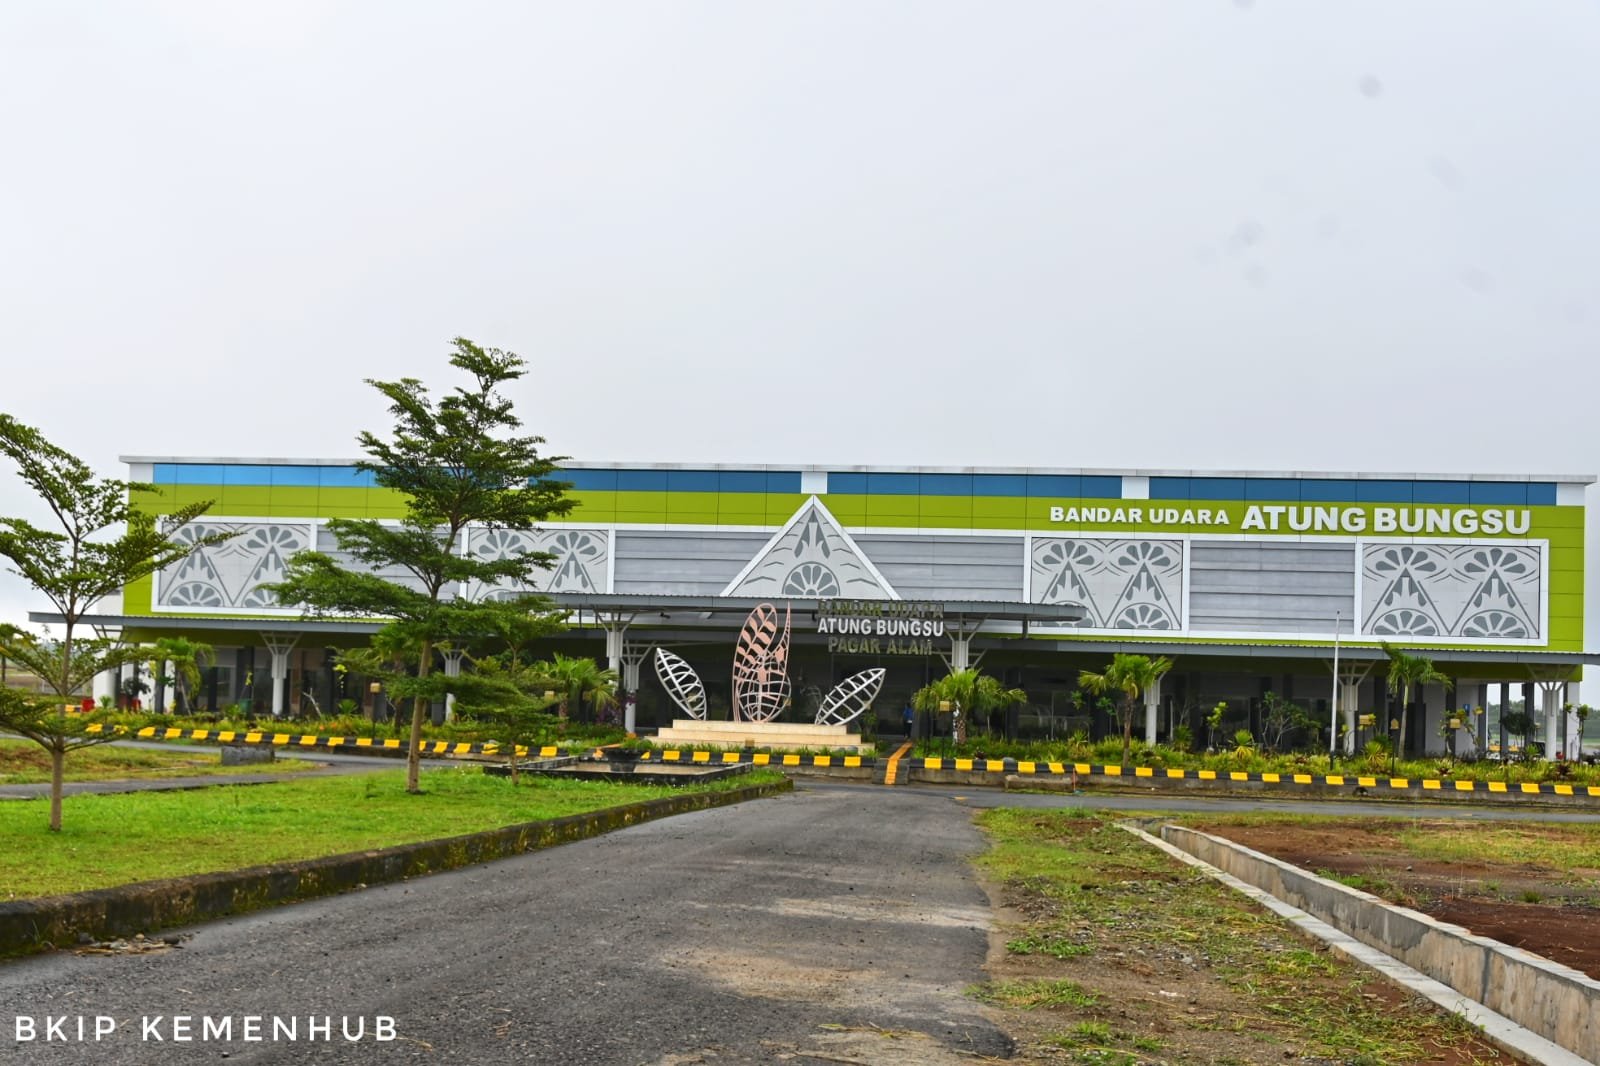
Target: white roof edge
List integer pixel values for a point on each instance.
(837, 468)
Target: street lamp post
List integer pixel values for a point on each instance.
(1333, 717)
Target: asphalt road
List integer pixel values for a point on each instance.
(821, 927)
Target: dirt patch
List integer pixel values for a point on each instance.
(1550, 912)
(1146, 968)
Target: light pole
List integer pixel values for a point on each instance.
(1333, 719)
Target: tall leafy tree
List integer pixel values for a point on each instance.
(1406, 671)
(1126, 679)
(970, 692)
(99, 542)
(457, 461)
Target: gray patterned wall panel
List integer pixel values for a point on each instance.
(1453, 590)
(328, 546)
(681, 564)
(230, 574)
(581, 557)
(1122, 582)
(942, 567)
(1271, 586)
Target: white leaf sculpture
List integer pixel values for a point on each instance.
(681, 683)
(850, 697)
(761, 666)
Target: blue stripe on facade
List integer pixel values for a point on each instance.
(1058, 486)
(1347, 490)
(1101, 487)
(847, 484)
(692, 481)
(1068, 486)
(894, 485)
(999, 485)
(641, 481)
(1502, 492)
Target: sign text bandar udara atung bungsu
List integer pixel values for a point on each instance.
(880, 627)
(1289, 518)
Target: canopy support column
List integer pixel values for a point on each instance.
(1152, 699)
(279, 645)
(615, 624)
(633, 656)
(452, 668)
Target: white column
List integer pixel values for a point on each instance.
(1152, 699)
(1550, 704)
(452, 668)
(633, 656)
(960, 651)
(279, 645)
(1350, 705)
(104, 686)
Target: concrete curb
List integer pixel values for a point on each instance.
(31, 925)
(1497, 1029)
(1555, 1002)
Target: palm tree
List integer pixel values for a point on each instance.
(1128, 676)
(1405, 671)
(969, 692)
(188, 658)
(578, 681)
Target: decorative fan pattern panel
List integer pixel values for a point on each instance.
(230, 575)
(1492, 592)
(1123, 583)
(581, 558)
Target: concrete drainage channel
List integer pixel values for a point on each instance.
(1529, 1006)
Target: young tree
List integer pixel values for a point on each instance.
(457, 461)
(1128, 676)
(100, 542)
(1280, 717)
(969, 693)
(188, 659)
(1404, 672)
(576, 682)
(504, 697)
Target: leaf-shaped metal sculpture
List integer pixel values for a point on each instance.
(850, 697)
(681, 683)
(761, 666)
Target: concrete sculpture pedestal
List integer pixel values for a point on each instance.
(779, 736)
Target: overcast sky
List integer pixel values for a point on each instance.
(1190, 234)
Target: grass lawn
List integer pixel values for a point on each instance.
(118, 839)
(23, 762)
(1116, 951)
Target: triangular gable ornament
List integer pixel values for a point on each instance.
(811, 557)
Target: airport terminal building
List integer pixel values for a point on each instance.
(1246, 580)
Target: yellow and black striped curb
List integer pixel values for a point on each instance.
(1015, 766)
(308, 740)
(778, 759)
(757, 758)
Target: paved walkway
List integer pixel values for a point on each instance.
(808, 929)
